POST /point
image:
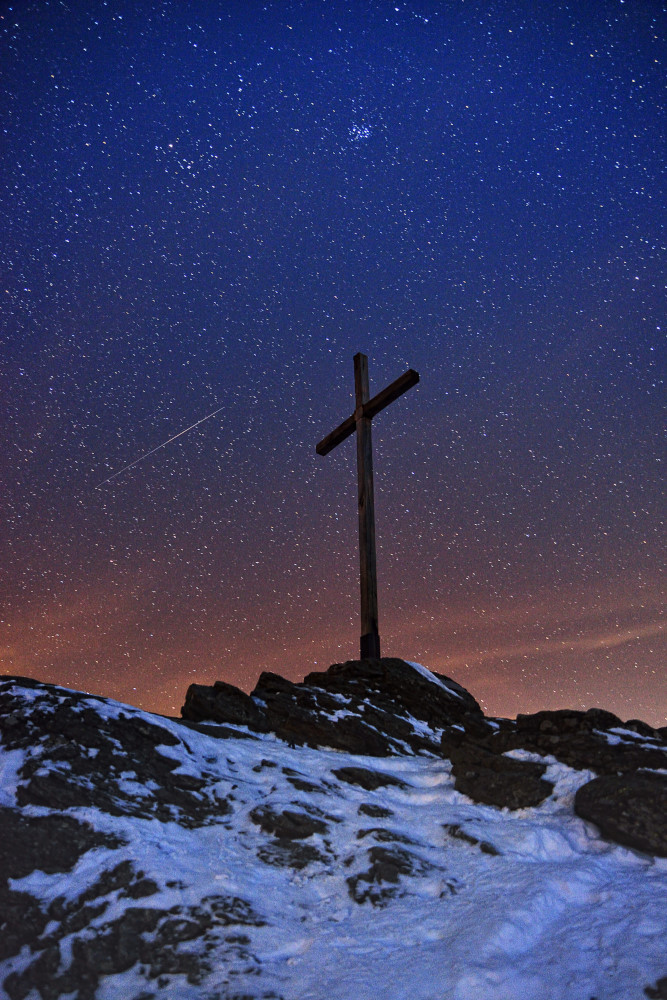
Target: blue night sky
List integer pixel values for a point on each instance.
(215, 205)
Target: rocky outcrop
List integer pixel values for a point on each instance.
(388, 706)
(595, 739)
(399, 688)
(360, 706)
(629, 809)
(77, 757)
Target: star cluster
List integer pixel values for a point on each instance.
(213, 207)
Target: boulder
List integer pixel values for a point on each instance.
(397, 687)
(222, 703)
(628, 809)
(486, 776)
(288, 824)
(500, 781)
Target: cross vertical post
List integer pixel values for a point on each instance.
(370, 636)
(360, 421)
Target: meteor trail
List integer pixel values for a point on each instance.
(157, 448)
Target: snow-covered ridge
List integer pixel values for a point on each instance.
(142, 856)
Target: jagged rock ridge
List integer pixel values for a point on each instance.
(361, 706)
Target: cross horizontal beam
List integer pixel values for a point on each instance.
(369, 410)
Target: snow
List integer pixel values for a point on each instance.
(557, 914)
(11, 763)
(617, 734)
(429, 676)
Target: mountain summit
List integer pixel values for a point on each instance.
(367, 832)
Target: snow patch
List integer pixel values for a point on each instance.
(427, 675)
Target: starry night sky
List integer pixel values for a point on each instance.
(215, 205)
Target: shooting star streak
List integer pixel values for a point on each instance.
(157, 448)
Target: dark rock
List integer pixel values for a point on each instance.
(115, 949)
(377, 812)
(151, 937)
(659, 991)
(76, 757)
(384, 836)
(599, 718)
(40, 975)
(379, 883)
(305, 786)
(287, 854)
(493, 779)
(395, 686)
(568, 721)
(22, 921)
(582, 740)
(298, 715)
(398, 731)
(507, 790)
(222, 703)
(454, 830)
(271, 686)
(289, 828)
(264, 763)
(641, 728)
(141, 888)
(380, 695)
(629, 809)
(230, 910)
(369, 780)
(349, 734)
(565, 720)
(389, 864)
(50, 843)
(122, 878)
(288, 824)
(217, 731)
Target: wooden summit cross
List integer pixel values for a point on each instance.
(360, 421)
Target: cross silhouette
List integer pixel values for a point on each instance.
(360, 421)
